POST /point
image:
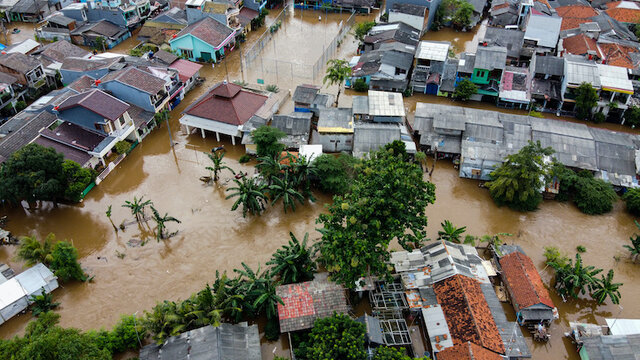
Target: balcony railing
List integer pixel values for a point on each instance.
(159, 101)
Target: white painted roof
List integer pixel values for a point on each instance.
(194, 2)
(310, 151)
(24, 47)
(623, 326)
(614, 77)
(628, 5)
(579, 72)
(383, 103)
(10, 292)
(433, 50)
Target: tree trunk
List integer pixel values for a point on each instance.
(338, 96)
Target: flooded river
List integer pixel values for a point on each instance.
(211, 237)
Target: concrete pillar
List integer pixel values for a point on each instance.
(217, 136)
(103, 162)
(202, 132)
(187, 128)
(233, 140)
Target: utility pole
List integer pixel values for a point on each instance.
(165, 114)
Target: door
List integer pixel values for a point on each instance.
(206, 56)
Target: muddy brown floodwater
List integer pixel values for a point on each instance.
(211, 237)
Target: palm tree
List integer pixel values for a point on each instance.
(218, 165)
(421, 159)
(634, 248)
(160, 223)
(302, 169)
(137, 207)
(108, 213)
(337, 72)
(249, 194)
(292, 263)
(33, 251)
(450, 233)
(573, 279)
(606, 287)
(259, 292)
(285, 189)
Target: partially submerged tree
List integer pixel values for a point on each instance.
(292, 263)
(387, 201)
(249, 194)
(137, 207)
(634, 248)
(586, 100)
(451, 233)
(632, 199)
(335, 174)
(161, 220)
(286, 190)
(519, 180)
(456, 12)
(65, 262)
(337, 72)
(593, 196)
(42, 303)
(266, 139)
(218, 165)
(573, 279)
(465, 90)
(362, 29)
(32, 251)
(606, 288)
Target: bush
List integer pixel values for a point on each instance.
(599, 118)
(465, 89)
(272, 330)
(272, 88)
(244, 159)
(360, 85)
(65, 262)
(632, 198)
(122, 147)
(337, 337)
(20, 105)
(593, 196)
(78, 178)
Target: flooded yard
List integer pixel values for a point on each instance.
(211, 237)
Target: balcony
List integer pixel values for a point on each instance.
(160, 100)
(175, 89)
(38, 84)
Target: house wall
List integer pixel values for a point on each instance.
(417, 22)
(76, 14)
(432, 6)
(196, 45)
(69, 76)
(480, 76)
(83, 117)
(129, 94)
(334, 142)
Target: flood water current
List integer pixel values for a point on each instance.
(211, 237)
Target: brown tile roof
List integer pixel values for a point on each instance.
(524, 282)
(80, 64)
(468, 313)
(70, 153)
(186, 69)
(98, 102)
(569, 23)
(227, 104)
(467, 351)
(165, 57)
(246, 15)
(105, 28)
(63, 49)
(500, 6)
(19, 62)
(140, 116)
(136, 78)
(208, 30)
(625, 15)
(580, 45)
(74, 135)
(25, 134)
(81, 84)
(7, 78)
(618, 55)
(576, 11)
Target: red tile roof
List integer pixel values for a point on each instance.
(186, 69)
(617, 55)
(569, 23)
(468, 313)
(467, 351)
(523, 281)
(576, 11)
(82, 83)
(625, 15)
(227, 104)
(580, 45)
(98, 102)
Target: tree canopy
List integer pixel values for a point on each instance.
(458, 12)
(337, 72)
(592, 196)
(518, 181)
(465, 90)
(632, 198)
(266, 139)
(586, 100)
(387, 201)
(334, 174)
(337, 337)
(362, 29)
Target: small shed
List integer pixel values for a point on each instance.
(305, 302)
(374, 331)
(15, 293)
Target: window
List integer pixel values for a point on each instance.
(187, 52)
(121, 119)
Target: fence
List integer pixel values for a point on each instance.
(251, 54)
(294, 69)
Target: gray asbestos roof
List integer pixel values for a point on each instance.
(491, 57)
(295, 123)
(573, 143)
(410, 9)
(466, 63)
(371, 136)
(615, 151)
(551, 65)
(335, 118)
(305, 94)
(374, 331)
(360, 105)
(612, 347)
(509, 38)
(225, 342)
(545, 30)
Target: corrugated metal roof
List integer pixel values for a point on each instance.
(383, 103)
(433, 50)
(543, 29)
(491, 57)
(578, 71)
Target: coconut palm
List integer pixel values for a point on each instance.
(285, 189)
(574, 278)
(292, 263)
(137, 207)
(337, 72)
(634, 248)
(605, 287)
(164, 321)
(421, 159)
(32, 251)
(249, 194)
(450, 233)
(218, 165)
(160, 223)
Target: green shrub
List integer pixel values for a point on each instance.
(273, 88)
(272, 330)
(360, 85)
(334, 174)
(581, 249)
(593, 196)
(244, 159)
(632, 199)
(122, 147)
(599, 118)
(65, 262)
(20, 105)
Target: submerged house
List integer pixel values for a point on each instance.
(383, 69)
(546, 82)
(430, 60)
(391, 32)
(308, 98)
(440, 128)
(335, 130)
(490, 62)
(416, 16)
(26, 69)
(205, 40)
(529, 297)
(90, 33)
(296, 126)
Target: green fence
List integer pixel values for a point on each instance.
(86, 191)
